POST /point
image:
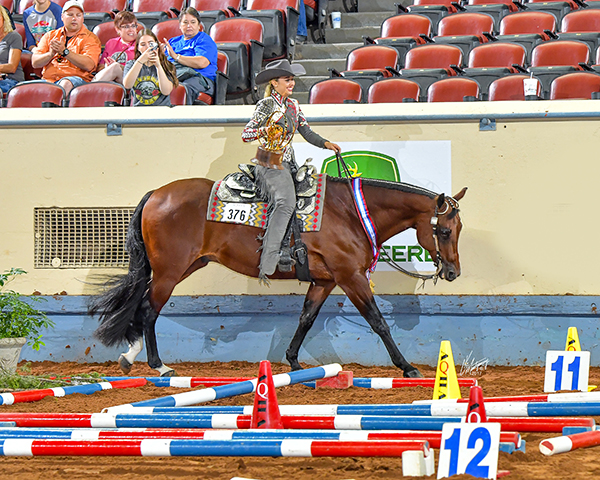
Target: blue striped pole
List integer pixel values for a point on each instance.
(225, 391)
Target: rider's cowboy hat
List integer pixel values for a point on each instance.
(279, 68)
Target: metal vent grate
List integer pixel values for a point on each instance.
(81, 237)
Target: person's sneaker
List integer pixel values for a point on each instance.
(301, 38)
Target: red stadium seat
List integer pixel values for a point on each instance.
(369, 64)
(241, 39)
(220, 83)
(20, 28)
(167, 29)
(434, 9)
(335, 91)
(464, 30)
(105, 31)
(179, 95)
(34, 94)
(8, 4)
(493, 60)
(97, 94)
(28, 70)
(497, 9)
(552, 59)
(582, 25)
(280, 22)
(578, 85)
(403, 32)
(453, 89)
(509, 88)
(212, 11)
(393, 90)
(151, 12)
(428, 63)
(558, 8)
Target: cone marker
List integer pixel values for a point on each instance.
(266, 409)
(476, 408)
(446, 383)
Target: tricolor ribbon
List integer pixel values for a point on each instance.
(365, 219)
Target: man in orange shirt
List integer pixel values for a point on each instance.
(69, 54)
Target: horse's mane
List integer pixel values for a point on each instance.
(402, 187)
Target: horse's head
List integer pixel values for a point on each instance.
(439, 234)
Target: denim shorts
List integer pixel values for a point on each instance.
(7, 84)
(76, 81)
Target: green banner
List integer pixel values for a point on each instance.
(366, 164)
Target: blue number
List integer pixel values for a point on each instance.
(574, 369)
(473, 468)
(557, 367)
(452, 444)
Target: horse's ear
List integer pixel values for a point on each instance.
(460, 194)
(441, 198)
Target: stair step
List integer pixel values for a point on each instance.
(345, 35)
(319, 66)
(353, 20)
(304, 83)
(377, 5)
(310, 51)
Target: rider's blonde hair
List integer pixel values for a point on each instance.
(268, 89)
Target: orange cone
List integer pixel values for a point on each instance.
(266, 409)
(476, 409)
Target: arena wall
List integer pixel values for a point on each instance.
(528, 240)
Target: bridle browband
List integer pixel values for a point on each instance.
(450, 205)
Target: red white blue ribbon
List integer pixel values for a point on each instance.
(365, 219)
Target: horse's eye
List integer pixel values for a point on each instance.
(445, 232)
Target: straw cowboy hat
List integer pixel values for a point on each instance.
(279, 68)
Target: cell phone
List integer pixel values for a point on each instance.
(153, 45)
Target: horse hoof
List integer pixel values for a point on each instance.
(295, 368)
(125, 365)
(414, 373)
(170, 373)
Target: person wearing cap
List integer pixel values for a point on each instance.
(277, 184)
(69, 54)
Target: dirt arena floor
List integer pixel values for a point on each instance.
(496, 381)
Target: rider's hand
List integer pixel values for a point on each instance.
(333, 146)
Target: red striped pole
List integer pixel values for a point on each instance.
(552, 446)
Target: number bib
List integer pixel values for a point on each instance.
(236, 212)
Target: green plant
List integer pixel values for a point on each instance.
(18, 318)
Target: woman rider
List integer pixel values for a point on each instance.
(276, 183)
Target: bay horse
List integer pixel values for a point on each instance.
(169, 238)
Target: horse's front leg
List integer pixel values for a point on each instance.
(315, 297)
(359, 292)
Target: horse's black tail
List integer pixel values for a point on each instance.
(117, 306)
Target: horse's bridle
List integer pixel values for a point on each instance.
(449, 203)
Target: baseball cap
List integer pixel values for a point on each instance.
(73, 3)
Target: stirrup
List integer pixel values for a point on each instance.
(285, 264)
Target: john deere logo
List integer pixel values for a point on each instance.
(366, 164)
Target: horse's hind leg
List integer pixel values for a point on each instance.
(315, 297)
(359, 292)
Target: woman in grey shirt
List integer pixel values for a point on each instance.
(151, 77)
(11, 45)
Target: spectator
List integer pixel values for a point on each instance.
(11, 45)
(69, 54)
(194, 54)
(151, 77)
(118, 51)
(302, 33)
(42, 17)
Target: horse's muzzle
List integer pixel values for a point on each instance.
(450, 273)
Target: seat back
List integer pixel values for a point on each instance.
(581, 21)
(509, 88)
(497, 54)
(433, 56)
(29, 72)
(335, 90)
(465, 24)
(179, 95)
(491, 2)
(167, 29)
(20, 28)
(156, 5)
(527, 22)
(281, 5)
(237, 30)
(104, 5)
(220, 83)
(452, 90)
(446, 3)
(8, 4)
(33, 94)
(94, 94)
(372, 57)
(105, 31)
(406, 25)
(207, 5)
(561, 52)
(393, 90)
(579, 85)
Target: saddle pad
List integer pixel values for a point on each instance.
(254, 214)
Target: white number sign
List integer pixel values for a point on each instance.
(236, 212)
(566, 371)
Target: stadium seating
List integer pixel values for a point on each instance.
(35, 94)
(403, 32)
(370, 63)
(582, 25)
(167, 29)
(552, 59)
(220, 83)
(464, 30)
(179, 95)
(28, 70)
(509, 88)
(493, 60)
(497, 9)
(428, 63)
(105, 31)
(100, 11)
(20, 28)
(558, 9)
(316, 18)
(212, 11)
(241, 40)
(577, 85)
(151, 12)
(97, 94)
(280, 25)
(434, 9)
(335, 90)
(455, 89)
(393, 90)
